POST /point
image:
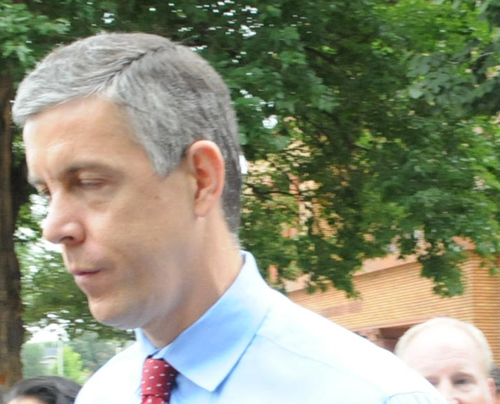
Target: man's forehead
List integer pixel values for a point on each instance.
(76, 135)
(443, 334)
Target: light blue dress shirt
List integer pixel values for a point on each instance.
(255, 346)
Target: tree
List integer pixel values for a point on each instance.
(93, 350)
(53, 358)
(32, 358)
(72, 366)
(371, 121)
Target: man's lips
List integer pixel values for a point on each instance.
(89, 280)
(84, 272)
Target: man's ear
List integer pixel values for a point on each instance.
(492, 388)
(206, 164)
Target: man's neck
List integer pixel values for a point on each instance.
(213, 270)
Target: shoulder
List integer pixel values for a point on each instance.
(310, 344)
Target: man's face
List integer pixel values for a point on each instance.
(453, 363)
(125, 231)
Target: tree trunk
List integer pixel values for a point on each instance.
(11, 328)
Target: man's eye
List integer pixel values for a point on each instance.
(463, 381)
(89, 183)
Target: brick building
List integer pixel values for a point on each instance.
(394, 297)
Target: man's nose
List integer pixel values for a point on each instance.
(62, 224)
(449, 393)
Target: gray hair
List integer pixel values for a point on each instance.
(171, 95)
(471, 330)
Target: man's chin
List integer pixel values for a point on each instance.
(111, 318)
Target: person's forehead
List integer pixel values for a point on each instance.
(93, 115)
(445, 337)
(82, 133)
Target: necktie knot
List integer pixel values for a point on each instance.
(158, 379)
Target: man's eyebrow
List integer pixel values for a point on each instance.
(72, 169)
(462, 373)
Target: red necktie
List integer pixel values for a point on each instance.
(158, 379)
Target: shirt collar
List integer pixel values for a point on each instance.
(206, 352)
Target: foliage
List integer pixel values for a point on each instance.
(32, 357)
(393, 153)
(43, 359)
(93, 350)
(72, 366)
(23, 36)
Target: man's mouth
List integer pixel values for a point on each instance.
(89, 280)
(84, 272)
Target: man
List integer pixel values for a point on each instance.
(134, 141)
(454, 356)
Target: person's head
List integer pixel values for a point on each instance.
(454, 356)
(43, 390)
(170, 96)
(134, 140)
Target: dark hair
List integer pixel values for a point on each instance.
(48, 389)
